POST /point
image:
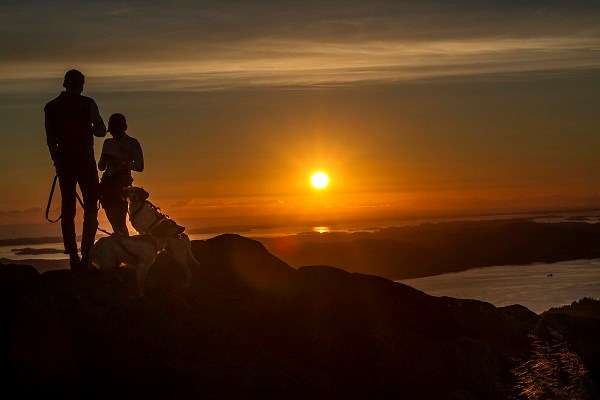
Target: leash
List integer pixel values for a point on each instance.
(118, 238)
(104, 231)
(50, 201)
(60, 216)
(119, 241)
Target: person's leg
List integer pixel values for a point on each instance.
(113, 203)
(67, 181)
(116, 216)
(116, 213)
(121, 216)
(88, 182)
(120, 204)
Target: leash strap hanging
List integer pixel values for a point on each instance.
(50, 201)
(105, 231)
(119, 240)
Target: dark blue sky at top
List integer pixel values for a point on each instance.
(147, 29)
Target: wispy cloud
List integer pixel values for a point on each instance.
(216, 45)
(269, 63)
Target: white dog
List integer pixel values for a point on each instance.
(145, 217)
(137, 252)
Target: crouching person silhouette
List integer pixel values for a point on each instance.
(120, 155)
(71, 122)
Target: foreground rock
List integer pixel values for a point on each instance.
(250, 326)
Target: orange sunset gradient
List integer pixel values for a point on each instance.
(409, 111)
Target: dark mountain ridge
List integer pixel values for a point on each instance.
(436, 248)
(251, 326)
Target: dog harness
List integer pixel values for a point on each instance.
(158, 216)
(135, 257)
(129, 253)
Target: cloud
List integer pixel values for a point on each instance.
(235, 203)
(135, 46)
(30, 215)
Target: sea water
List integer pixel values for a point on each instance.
(538, 287)
(529, 285)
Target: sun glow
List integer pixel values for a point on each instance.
(319, 180)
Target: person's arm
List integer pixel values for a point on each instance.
(98, 127)
(50, 139)
(103, 162)
(137, 162)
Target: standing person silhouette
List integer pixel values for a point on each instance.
(71, 122)
(120, 155)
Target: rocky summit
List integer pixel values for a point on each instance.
(251, 326)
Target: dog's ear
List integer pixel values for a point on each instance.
(178, 229)
(174, 230)
(143, 194)
(167, 229)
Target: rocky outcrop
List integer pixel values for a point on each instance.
(250, 326)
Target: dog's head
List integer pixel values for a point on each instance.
(167, 229)
(135, 194)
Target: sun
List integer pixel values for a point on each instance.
(319, 180)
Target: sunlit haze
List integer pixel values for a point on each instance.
(413, 107)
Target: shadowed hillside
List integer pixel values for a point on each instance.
(436, 248)
(586, 307)
(250, 326)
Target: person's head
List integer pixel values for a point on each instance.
(74, 81)
(117, 125)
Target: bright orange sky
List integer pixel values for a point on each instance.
(409, 108)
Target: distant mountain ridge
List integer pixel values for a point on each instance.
(423, 250)
(436, 248)
(251, 326)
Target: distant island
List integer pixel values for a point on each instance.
(437, 248)
(584, 218)
(413, 251)
(251, 326)
(32, 240)
(28, 251)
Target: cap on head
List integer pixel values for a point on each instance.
(73, 79)
(117, 123)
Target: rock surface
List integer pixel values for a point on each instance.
(250, 326)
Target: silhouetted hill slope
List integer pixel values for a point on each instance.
(250, 326)
(39, 264)
(578, 324)
(435, 248)
(572, 338)
(586, 307)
